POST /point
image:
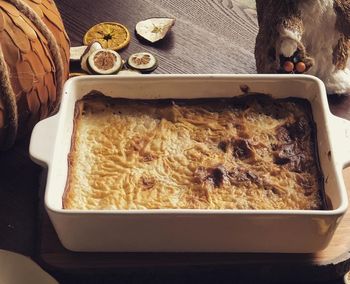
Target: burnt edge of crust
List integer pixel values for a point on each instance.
(313, 138)
(78, 111)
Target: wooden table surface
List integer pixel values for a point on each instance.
(209, 36)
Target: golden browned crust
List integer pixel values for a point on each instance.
(250, 152)
(78, 111)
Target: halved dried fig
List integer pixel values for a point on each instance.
(142, 61)
(104, 62)
(88, 51)
(154, 29)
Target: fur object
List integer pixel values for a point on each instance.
(317, 32)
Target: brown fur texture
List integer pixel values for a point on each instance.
(342, 9)
(272, 16)
(341, 53)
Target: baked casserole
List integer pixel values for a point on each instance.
(247, 152)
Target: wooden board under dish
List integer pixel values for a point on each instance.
(330, 263)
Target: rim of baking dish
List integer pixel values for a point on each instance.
(340, 210)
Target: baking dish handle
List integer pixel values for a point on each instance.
(42, 140)
(342, 128)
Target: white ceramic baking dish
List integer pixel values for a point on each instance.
(194, 230)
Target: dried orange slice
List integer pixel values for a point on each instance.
(109, 34)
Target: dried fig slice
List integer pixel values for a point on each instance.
(104, 62)
(142, 61)
(154, 29)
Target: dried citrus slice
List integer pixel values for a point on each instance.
(109, 34)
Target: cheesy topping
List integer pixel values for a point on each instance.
(249, 152)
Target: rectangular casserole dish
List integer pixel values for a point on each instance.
(180, 230)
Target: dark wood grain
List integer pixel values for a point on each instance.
(19, 183)
(209, 36)
(327, 265)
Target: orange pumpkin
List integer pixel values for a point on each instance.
(34, 63)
